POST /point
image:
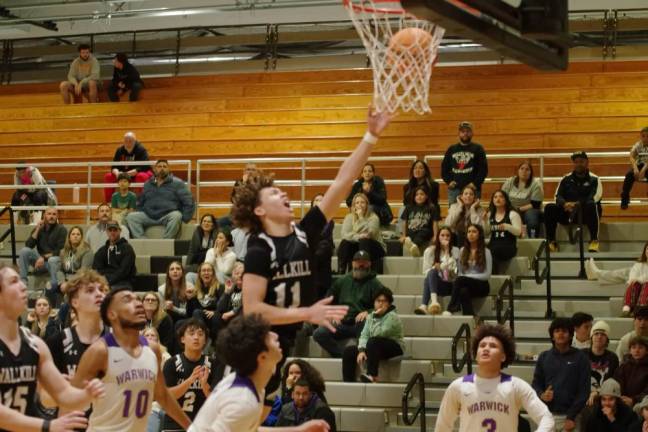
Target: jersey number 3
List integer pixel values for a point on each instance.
(295, 290)
(489, 424)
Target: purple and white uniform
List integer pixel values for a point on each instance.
(130, 386)
(490, 405)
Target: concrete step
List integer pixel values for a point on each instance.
(390, 371)
(572, 288)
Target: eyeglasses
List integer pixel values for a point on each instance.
(150, 300)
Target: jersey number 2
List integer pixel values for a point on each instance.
(490, 424)
(15, 398)
(295, 290)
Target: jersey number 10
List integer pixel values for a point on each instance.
(295, 290)
(141, 403)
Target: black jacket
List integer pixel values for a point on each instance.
(50, 240)
(431, 188)
(316, 410)
(196, 254)
(128, 75)
(139, 153)
(585, 189)
(464, 164)
(624, 418)
(377, 197)
(117, 264)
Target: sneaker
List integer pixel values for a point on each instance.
(407, 245)
(415, 251)
(625, 312)
(593, 246)
(591, 270)
(446, 313)
(624, 205)
(553, 246)
(434, 308)
(421, 310)
(365, 378)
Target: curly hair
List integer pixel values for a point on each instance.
(562, 323)
(499, 332)
(240, 343)
(308, 373)
(480, 256)
(82, 278)
(246, 198)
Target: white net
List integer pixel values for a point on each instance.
(402, 50)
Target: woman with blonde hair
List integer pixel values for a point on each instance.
(158, 319)
(75, 255)
(208, 292)
(40, 320)
(361, 231)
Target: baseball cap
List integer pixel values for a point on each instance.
(600, 327)
(465, 124)
(362, 256)
(579, 155)
(113, 224)
(610, 387)
(641, 405)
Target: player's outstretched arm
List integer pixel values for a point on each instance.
(534, 406)
(351, 167)
(164, 398)
(66, 395)
(12, 420)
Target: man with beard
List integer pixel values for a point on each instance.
(97, 234)
(464, 164)
(128, 366)
(165, 200)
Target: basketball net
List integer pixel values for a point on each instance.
(401, 72)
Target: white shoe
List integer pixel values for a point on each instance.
(591, 270)
(421, 310)
(407, 246)
(415, 251)
(625, 311)
(446, 313)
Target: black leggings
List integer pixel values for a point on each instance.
(378, 348)
(347, 249)
(466, 289)
(555, 215)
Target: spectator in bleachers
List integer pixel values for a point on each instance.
(43, 249)
(165, 200)
(130, 151)
(639, 171)
(632, 374)
(115, 260)
(464, 164)
(440, 269)
(75, 255)
(373, 187)
(636, 294)
(641, 424)
(25, 178)
(420, 176)
(298, 369)
(562, 376)
(201, 241)
(125, 78)
(83, 78)
(40, 320)
(360, 231)
(231, 302)
(222, 256)
(158, 319)
(154, 423)
(582, 330)
(323, 254)
(357, 291)
(208, 293)
(381, 339)
(603, 362)
(421, 223)
(98, 234)
(464, 211)
(177, 304)
(610, 413)
(239, 238)
(124, 200)
(250, 168)
(640, 324)
(304, 406)
(578, 191)
(526, 194)
(473, 272)
(505, 227)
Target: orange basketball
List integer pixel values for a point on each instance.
(409, 38)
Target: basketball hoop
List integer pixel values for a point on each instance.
(402, 50)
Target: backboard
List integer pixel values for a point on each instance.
(534, 32)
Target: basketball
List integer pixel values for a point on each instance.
(409, 38)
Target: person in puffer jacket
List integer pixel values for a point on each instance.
(633, 372)
(381, 339)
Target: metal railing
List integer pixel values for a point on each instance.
(466, 359)
(545, 274)
(505, 293)
(416, 380)
(11, 233)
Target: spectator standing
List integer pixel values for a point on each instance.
(75, 255)
(603, 362)
(130, 151)
(636, 294)
(562, 376)
(115, 260)
(440, 269)
(639, 171)
(177, 303)
(360, 231)
(526, 194)
(610, 413)
(26, 178)
(158, 319)
(640, 324)
(373, 187)
(582, 330)
(505, 227)
(357, 291)
(84, 77)
(305, 406)
(222, 257)
(464, 164)
(202, 240)
(98, 234)
(43, 249)
(381, 339)
(165, 200)
(123, 201)
(578, 191)
(231, 302)
(465, 211)
(421, 223)
(323, 254)
(125, 78)
(632, 374)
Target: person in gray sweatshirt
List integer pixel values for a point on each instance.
(84, 77)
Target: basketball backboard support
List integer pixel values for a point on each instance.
(535, 32)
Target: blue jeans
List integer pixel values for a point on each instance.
(531, 219)
(27, 257)
(434, 284)
(138, 221)
(330, 342)
(133, 96)
(154, 423)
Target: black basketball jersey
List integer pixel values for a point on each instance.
(176, 370)
(18, 375)
(67, 349)
(502, 237)
(287, 263)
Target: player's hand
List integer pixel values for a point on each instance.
(95, 388)
(361, 316)
(204, 375)
(314, 426)
(69, 422)
(196, 374)
(362, 357)
(322, 313)
(377, 121)
(547, 395)
(569, 425)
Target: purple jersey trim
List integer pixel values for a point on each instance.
(110, 340)
(243, 381)
(503, 378)
(143, 341)
(469, 378)
(506, 378)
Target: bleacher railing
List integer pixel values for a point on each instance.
(504, 314)
(11, 233)
(416, 380)
(544, 274)
(466, 359)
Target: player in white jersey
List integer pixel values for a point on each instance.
(236, 404)
(490, 401)
(25, 361)
(129, 367)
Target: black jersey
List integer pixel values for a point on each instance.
(502, 237)
(18, 375)
(67, 349)
(176, 370)
(287, 262)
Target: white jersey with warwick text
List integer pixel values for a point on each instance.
(130, 385)
(490, 405)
